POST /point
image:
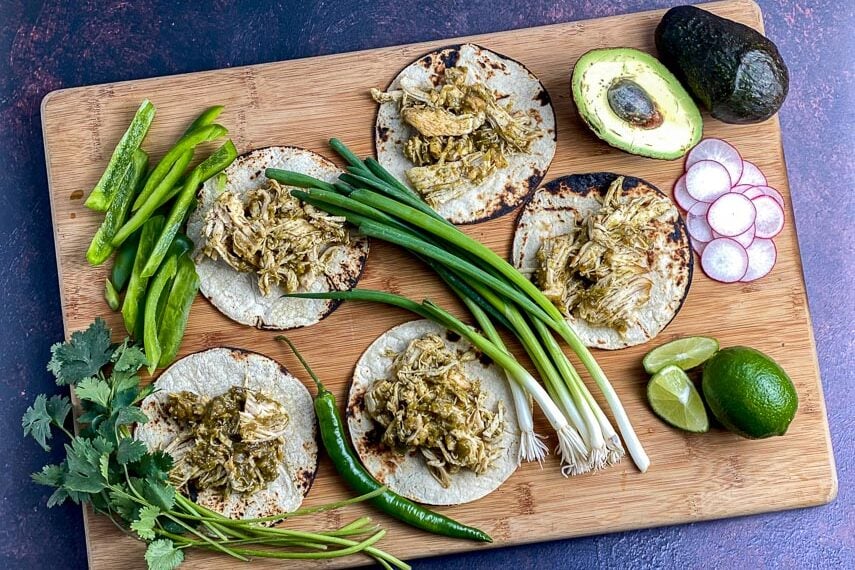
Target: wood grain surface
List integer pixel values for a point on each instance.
(305, 102)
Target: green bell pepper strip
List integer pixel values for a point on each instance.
(135, 295)
(207, 117)
(223, 157)
(208, 171)
(103, 193)
(111, 295)
(184, 144)
(101, 247)
(152, 300)
(123, 263)
(173, 322)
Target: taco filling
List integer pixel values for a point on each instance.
(428, 404)
(268, 232)
(232, 443)
(600, 271)
(462, 132)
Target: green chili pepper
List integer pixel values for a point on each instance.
(123, 263)
(360, 481)
(111, 295)
(158, 285)
(101, 246)
(173, 322)
(187, 142)
(104, 192)
(224, 156)
(135, 296)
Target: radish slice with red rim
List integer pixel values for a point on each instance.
(682, 196)
(744, 239)
(741, 188)
(698, 245)
(769, 220)
(753, 192)
(731, 214)
(769, 191)
(721, 152)
(724, 260)
(696, 222)
(706, 180)
(751, 175)
(762, 255)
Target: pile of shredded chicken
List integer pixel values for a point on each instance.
(462, 133)
(231, 443)
(600, 271)
(430, 405)
(273, 234)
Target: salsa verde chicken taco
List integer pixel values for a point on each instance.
(470, 130)
(255, 242)
(611, 252)
(431, 419)
(240, 429)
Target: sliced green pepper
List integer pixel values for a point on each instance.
(208, 172)
(152, 303)
(111, 295)
(117, 212)
(123, 263)
(207, 117)
(173, 322)
(105, 190)
(184, 144)
(135, 295)
(224, 156)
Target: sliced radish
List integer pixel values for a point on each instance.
(696, 222)
(753, 192)
(706, 180)
(731, 214)
(681, 195)
(719, 151)
(762, 255)
(751, 175)
(724, 260)
(769, 220)
(769, 191)
(741, 188)
(744, 239)
(698, 246)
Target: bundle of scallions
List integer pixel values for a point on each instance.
(384, 208)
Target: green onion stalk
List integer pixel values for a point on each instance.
(383, 208)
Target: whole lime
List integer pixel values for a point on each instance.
(749, 393)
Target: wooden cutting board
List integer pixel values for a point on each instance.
(304, 102)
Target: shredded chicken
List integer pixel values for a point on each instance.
(599, 272)
(274, 235)
(462, 133)
(231, 443)
(429, 404)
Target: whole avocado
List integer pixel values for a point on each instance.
(733, 70)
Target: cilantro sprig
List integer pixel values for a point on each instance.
(119, 477)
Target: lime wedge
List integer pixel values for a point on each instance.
(685, 352)
(674, 399)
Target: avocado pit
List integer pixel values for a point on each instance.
(631, 103)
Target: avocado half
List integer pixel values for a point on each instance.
(631, 101)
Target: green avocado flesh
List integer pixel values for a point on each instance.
(631, 101)
(731, 69)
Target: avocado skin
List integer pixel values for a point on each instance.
(733, 70)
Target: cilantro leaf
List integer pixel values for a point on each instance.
(144, 525)
(129, 450)
(128, 358)
(85, 467)
(94, 390)
(58, 408)
(58, 497)
(82, 356)
(36, 422)
(159, 493)
(124, 505)
(154, 465)
(50, 475)
(130, 415)
(162, 555)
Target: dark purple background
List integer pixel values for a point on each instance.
(50, 45)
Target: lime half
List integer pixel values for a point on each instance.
(685, 353)
(674, 399)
